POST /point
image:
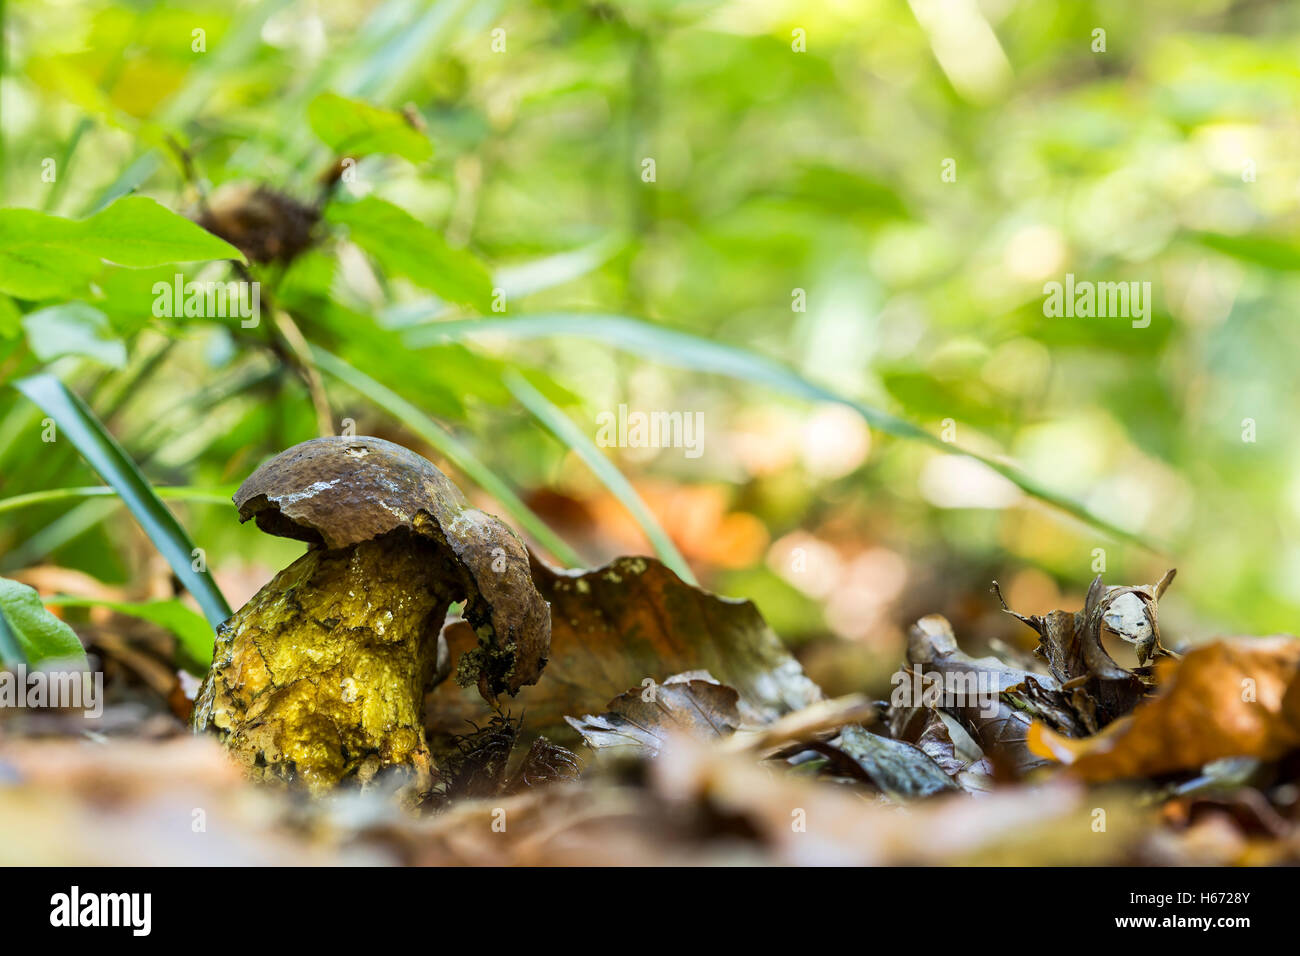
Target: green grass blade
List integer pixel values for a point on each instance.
(460, 456)
(683, 350)
(79, 425)
(576, 440)
(211, 496)
(196, 636)
(668, 346)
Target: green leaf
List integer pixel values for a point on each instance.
(404, 246)
(73, 328)
(355, 128)
(138, 232)
(40, 256)
(1280, 255)
(575, 439)
(451, 449)
(30, 634)
(43, 256)
(683, 350)
(79, 425)
(196, 636)
(11, 320)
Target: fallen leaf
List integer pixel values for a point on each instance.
(899, 769)
(136, 803)
(616, 626)
(1070, 643)
(958, 756)
(639, 720)
(974, 693)
(804, 822)
(1234, 697)
(818, 720)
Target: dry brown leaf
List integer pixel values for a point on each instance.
(616, 626)
(817, 721)
(1234, 697)
(705, 807)
(901, 770)
(1070, 643)
(639, 720)
(929, 730)
(999, 728)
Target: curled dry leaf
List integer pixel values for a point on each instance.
(322, 675)
(947, 745)
(1070, 643)
(616, 626)
(639, 720)
(1235, 697)
(973, 691)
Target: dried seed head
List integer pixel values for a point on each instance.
(265, 225)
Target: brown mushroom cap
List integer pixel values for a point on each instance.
(337, 492)
(342, 491)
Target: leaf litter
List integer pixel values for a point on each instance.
(670, 726)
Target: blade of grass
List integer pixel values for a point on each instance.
(194, 633)
(4, 63)
(64, 529)
(211, 496)
(460, 456)
(102, 452)
(683, 350)
(388, 71)
(570, 435)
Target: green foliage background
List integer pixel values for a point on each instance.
(1172, 157)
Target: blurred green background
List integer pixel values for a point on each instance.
(796, 146)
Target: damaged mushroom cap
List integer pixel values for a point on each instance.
(340, 491)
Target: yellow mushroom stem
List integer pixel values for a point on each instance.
(320, 678)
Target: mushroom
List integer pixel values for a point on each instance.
(320, 678)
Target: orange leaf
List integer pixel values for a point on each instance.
(1234, 697)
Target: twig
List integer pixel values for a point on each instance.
(297, 343)
(1033, 622)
